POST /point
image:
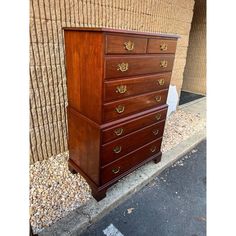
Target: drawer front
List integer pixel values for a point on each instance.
(133, 125)
(161, 46)
(120, 147)
(125, 44)
(119, 167)
(119, 66)
(125, 107)
(122, 88)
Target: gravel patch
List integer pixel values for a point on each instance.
(54, 191)
(181, 125)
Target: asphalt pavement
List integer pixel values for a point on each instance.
(173, 204)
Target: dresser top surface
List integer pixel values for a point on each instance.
(112, 30)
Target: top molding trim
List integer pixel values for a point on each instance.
(112, 30)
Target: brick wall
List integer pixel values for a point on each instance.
(195, 70)
(48, 97)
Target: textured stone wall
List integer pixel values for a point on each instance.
(195, 70)
(48, 97)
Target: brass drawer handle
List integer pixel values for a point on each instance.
(129, 45)
(117, 149)
(116, 170)
(155, 132)
(123, 67)
(163, 47)
(120, 109)
(153, 149)
(121, 89)
(158, 116)
(163, 63)
(158, 98)
(119, 131)
(161, 81)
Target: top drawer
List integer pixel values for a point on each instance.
(116, 44)
(161, 45)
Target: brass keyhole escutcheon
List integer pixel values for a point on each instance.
(155, 132)
(161, 81)
(117, 149)
(163, 63)
(153, 149)
(121, 89)
(116, 170)
(119, 131)
(129, 45)
(158, 116)
(158, 98)
(120, 109)
(123, 67)
(163, 47)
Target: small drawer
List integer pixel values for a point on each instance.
(120, 147)
(121, 66)
(117, 168)
(125, 128)
(161, 46)
(128, 106)
(125, 44)
(122, 88)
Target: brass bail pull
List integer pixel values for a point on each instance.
(153, 149)
(117, 149)
(116, 170)
(119, 131)
(158, 98)
(121, 89)
(163, 63)
(129, 46)
(120, 109)
(123, 67)
(158, 116)
(161, 81)
(163, 47)
(155, 132)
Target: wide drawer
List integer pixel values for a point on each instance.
(129, 161)
(161, 46)
(120, 147)
(122, 88)
(119, 66)
(125, 107)
(125, 44)
(133, 125)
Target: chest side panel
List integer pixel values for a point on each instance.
(84, 69)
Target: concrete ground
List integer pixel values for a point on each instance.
(77, 221)
(173, 204)
(198, 106)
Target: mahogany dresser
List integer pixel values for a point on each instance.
(117, 83)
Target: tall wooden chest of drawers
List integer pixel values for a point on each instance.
(117, 83)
